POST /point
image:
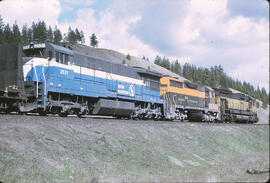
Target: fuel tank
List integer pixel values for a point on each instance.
(114, 108)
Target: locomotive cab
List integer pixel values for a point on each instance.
(60, 54)
(49, 51)
(34, 50)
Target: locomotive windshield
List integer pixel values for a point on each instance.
(176, 84)
(34, 50)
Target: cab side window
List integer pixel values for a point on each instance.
(57, 56)
(66, 59)
(61, 58)
(146, 82)
(50, 54)
(176, 84)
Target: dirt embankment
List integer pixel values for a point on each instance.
(54, 149)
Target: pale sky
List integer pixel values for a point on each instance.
(230, 33)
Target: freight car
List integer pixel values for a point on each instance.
(47, 78)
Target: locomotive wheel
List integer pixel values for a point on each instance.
(42, 113)
(79, 115)
(8, 111)
(21, 113)
(63, 114)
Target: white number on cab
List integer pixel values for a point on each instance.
(63, 72)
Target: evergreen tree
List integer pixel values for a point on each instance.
(258, 93)
(1, 23)
(30, 35)
(223, 81)
(57, 36)
(177, 67)
(144, 58)
(1, 36)
(165, 63)
(213, 82)
(35, 32)
(78, 35)
(230, 83)
(187, 71)
(16, 33)
(194, 74)
(172, 67)
(1, 30)
(24, 36)
(71, 36)
(264, 98)
(42, 31)
(93, 41)
(128, 57)
(157, 60)
(7, 35)
(39, 31)
(206, 77)
(50, 34)
(82, 37)
(200, 75)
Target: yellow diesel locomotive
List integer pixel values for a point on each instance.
(194, 102)
(236, 107)
(187, 100)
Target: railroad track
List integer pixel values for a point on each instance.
(85, 117)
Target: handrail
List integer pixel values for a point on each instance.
(44, 81)
(37, 79)
(110, 75)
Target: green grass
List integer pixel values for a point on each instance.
(138, 158)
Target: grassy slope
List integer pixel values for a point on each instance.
(78, 150)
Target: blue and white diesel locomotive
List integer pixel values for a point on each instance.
(59, 80)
